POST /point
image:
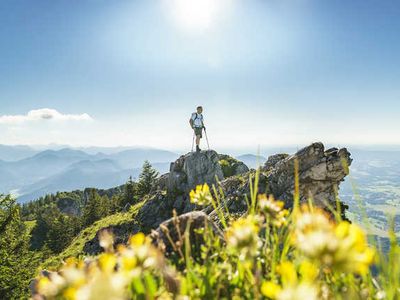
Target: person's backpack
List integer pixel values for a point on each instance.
(197, 117)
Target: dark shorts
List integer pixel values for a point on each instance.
(198, 131)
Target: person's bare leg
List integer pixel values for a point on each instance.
(198, 143)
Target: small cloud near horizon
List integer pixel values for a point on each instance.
(43, 114)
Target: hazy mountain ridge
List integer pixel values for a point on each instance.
(65, 169)
(251, 160)
(62, 168)
(17, 152)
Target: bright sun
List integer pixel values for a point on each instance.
(197, 15)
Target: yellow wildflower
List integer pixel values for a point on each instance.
(242, 236)
(128, 261)
(293, 287)
(342, 247)
(272, 209)
(270, 289)
(107, 262)
(70, 293)
(109, 275)
(308, 270)
(353, 254)
(137, 239)
(288, 273)
(201, 196)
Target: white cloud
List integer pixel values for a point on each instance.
(43, 114)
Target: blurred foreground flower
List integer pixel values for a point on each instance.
(340, 247)
(201, 196)
(272, 209)
(293, 287)
(131, 270)
(242, 237)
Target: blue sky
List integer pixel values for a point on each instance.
(267, 72)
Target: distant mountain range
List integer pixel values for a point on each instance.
(251, 160)
(13, 153)
(31, 172)
(35, 173)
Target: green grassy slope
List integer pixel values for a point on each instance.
(75, 249)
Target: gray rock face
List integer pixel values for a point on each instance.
(156, 210)
(320, 173)
(193, 169)
(185, 174)
(273, 160)
(241, 168)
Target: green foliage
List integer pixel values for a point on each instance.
(62, 200)
(55, 219)
(228, 165)
(146, 179)
(95, 208)
(62, 231)
(227, 168)
(130, 195)
(76, 246)
(17, 263)
(54, 230)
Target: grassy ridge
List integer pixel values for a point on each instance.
(75, 249)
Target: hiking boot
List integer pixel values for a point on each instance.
(198, 148)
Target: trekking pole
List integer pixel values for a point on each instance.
(208, 145)
(193, 141)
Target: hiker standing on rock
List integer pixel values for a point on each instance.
(197, 123)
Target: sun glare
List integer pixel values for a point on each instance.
(197, 15)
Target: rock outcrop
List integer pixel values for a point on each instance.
(192, 169)
(185, 174)
(320, 173)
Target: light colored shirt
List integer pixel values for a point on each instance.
(197, 120)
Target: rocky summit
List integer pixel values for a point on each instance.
(193, 169)
(172, 189)
(320, 172)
